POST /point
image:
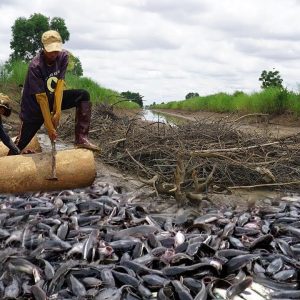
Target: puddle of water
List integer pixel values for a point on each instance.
(46, 143)
(152, 116)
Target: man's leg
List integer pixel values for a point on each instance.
(27, 132)
(81, 100)
(72, 98)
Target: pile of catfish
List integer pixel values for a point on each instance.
(96, 243)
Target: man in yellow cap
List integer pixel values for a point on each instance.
(43, 96)
(5, 110)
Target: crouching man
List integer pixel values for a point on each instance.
(44, 97)
(5, 111)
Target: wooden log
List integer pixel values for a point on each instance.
(75, 168)
(34, 145)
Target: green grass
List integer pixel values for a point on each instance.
(14, 74)
(293, 103)
(97, 92)
(271, 101)
(220, 102)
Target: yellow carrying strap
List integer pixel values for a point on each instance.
(42, 100)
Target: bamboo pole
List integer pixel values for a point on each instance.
(75, 168)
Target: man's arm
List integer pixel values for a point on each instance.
(59, 89)
(42, 100)
(7, 141)
(57, 102)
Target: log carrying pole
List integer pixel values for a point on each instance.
(34, 145)
(75, 168)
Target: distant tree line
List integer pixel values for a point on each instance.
(267, 78)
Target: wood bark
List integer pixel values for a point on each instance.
(75, 168)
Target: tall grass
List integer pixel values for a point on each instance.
(220, 102)
(271, 101)
(97, 92)
(18, 71)
(13, 74)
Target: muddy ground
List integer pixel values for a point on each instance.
(271, 127)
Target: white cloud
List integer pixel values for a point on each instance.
(164, 49)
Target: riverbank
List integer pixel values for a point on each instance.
(273, 126)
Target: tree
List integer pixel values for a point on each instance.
(27, 33)
(238, 93)
(74, 65)
(59, 25)
(78, 71)
(134, 97)
(191, 95)
(270, 79)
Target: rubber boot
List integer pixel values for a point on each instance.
(82, 126)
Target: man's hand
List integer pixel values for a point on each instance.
(52, 135)
(55, 120)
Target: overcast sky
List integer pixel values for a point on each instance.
(164, 49)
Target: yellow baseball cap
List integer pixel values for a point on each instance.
(52, 41)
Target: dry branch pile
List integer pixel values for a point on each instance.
(191, 158)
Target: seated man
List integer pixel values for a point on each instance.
(5, 110)
(43, 96)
